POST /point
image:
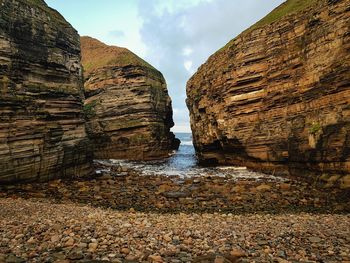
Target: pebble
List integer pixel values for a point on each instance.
(138, 218)
(93, 247)
(69, 242)
(315, 239)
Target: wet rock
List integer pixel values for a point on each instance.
(14, 259)
(176, 194)
(237, 253)
(263, 187)
(244, 94)
(315, 239)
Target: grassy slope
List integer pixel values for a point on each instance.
(287, 8)
(96, 54)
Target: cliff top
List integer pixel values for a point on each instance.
(41, 4)
(287, 8)
(96, 54)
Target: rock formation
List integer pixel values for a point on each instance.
(127, 104)
(277, 97)
(42, 131)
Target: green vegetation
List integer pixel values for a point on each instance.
(89, 109)
(96, 54)
(315, 128)
(287, 8)
(123, 59)
(4, 80)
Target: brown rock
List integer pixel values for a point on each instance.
(155, 258)
(42, 128)
(215, 259)
(345, 182)
(237, 253)
(263, 187)
(55, 238)
(276, 98)
(128, 105)
(285, 186)
(125, 250)
(93, 246)
(69, 242)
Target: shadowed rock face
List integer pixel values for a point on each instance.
(127, 104)
(277, 98)
(42, 132)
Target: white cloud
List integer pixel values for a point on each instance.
(117, 33)
(181, 127)
(180, 35)
(188, 65)
(187, 51)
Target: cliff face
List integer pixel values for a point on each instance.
(277, 98)
(127, 104)
(42, 132)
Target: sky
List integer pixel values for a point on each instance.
(175, 36)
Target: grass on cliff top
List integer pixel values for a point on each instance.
(96, 54)
(287, 8)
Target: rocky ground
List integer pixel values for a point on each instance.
(122, 217)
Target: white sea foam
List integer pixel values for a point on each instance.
(232, 168)
(184, 164)
(187, 143)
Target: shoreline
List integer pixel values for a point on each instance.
(121, 216)
(122, 188)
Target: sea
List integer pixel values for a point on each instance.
(183, 163)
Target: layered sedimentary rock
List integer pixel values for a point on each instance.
(42, 131)
(127, 104)
(277, 97)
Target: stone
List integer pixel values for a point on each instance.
(42, 126)
(76, 254)
(285, 186)
(14, 259)
(345, 182)
(82, 245)
(55, 238)
(93, 247)
(236, 252)
(131, 258)
(155, 258)
(167, 238)
(275, 100)
(315, 239)
(219, 259)
(176, 194)
(125, 250)
(263, 187)
(31, 240)
(69, 242)
(127, 104)
(19, 236)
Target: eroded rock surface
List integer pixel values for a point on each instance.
(42, 132)
(127, 104)
(277, 98)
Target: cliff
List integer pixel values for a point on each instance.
(127, 104)
(277, 97)
(42, 131)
